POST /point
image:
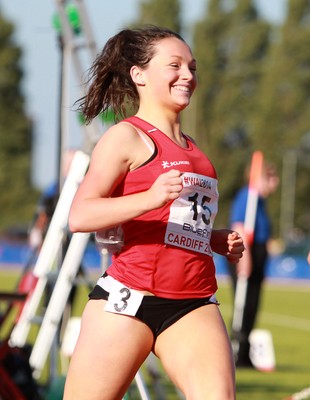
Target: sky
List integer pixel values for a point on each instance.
(40, 62)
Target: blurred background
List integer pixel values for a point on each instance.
(253, 95)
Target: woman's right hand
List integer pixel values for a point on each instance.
(167, 187)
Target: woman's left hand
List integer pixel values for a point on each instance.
(228, 243)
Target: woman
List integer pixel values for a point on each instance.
(150, 178)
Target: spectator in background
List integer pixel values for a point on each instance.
(47, 204)
(253, 263)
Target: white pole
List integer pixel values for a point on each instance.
(57, 303)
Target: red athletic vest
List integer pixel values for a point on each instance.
(166, 251)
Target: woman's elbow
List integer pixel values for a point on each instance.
(74, 222)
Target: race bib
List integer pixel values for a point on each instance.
(192, 214)
(122, 300)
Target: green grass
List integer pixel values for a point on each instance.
(284, 311)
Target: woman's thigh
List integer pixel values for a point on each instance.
(196, 353)
(109, 351)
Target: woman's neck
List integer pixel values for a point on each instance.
(169, 124)
(172, 130)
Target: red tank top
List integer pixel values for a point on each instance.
(166, 251)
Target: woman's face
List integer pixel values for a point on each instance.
(170, 77)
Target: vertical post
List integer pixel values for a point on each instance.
(288, 189)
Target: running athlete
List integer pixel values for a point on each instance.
(145, 175)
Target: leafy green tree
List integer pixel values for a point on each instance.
(165, 13)
(211, 62)
(17, 196)
(283, 118)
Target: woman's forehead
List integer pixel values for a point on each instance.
(172, 46)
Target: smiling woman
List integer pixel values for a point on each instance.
(151, 181)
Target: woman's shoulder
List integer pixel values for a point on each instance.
(122, 130)
(120, 134)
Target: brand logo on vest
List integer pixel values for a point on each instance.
(169, 164)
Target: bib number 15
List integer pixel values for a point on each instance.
(206, 215)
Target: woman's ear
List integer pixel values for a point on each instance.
(137, 75)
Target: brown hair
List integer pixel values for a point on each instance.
(110, 83)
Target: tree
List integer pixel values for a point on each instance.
(283, 117)
(164, 13)
(17, 196)
(211, 57)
